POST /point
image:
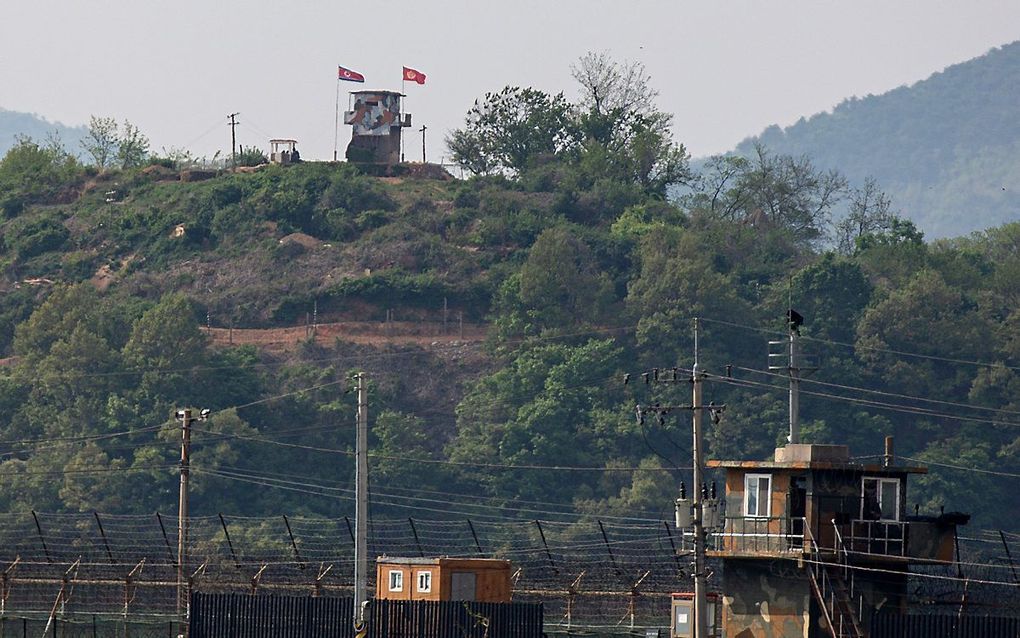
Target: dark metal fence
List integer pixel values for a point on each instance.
(217, 615)
(932, 626)
(85, 626)
(435, 619)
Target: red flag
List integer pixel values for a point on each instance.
(348, 75)
(414, 76)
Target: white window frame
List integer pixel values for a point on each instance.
(878, 494)
(395, 580)
(425, 574)
(747, 495)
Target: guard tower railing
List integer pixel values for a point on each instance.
(880, 538)
(760, 535)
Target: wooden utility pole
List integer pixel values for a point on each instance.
(361, 508)
(233, 138)
(184, 416)
(422, 130)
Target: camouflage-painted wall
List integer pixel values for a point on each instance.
(766, 599)
(377, 124)
(374, 113)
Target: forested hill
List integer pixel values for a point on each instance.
(946, 149)
(563, 249)
(14, 124)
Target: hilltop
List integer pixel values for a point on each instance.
(946, 149)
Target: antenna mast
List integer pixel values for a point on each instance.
(789, 350)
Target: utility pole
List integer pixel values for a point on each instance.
(233, 137)
(184, 416)
(700, 605)
(361, 508)
(423, 129)
(704, 513)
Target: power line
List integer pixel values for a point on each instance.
(852, 346)
(883, 393)
(894, 407)
(962, 467)
(92, 470)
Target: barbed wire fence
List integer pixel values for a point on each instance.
(83, 569)
(92, 574)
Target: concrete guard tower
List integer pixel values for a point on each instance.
(377, 123)
(815, 543)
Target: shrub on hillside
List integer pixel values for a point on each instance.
(33, 236)
(31, 173)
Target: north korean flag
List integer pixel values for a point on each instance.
(414, 76)
(348, 75)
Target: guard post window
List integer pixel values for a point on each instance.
(880, 499)
(757, 495)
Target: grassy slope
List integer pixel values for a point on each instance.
(250, 255)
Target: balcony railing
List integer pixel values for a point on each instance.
(761, 535)
(882, 538)
(914, 540)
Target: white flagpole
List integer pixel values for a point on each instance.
(336, 118)
(402, 112)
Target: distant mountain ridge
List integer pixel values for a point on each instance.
(15, 123)
(946, 149)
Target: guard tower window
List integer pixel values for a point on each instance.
(396, 580)
(880, 499)
(757, 495)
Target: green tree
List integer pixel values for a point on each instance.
(870, 211)
(617, 100)
(101, 141)
(623, 129)
(677, 282)
(132, 146)
(508, 130)
(770, 192)
(560, 284)
(927, 317)
(165, 346)
(541, 409)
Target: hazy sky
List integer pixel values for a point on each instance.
(726, 69)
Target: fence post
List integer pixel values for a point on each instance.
(474, 535)
(417, 541)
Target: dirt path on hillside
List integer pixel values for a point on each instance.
(372, 333)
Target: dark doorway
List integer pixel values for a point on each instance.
(797, 510)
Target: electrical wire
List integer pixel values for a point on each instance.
(901, 353)
(809, 381)
(389, 498)
(894, 407)
(962, 467)
(514, 504)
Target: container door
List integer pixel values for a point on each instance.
(462, 586)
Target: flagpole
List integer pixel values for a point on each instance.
(403, 90)
(336, 119)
